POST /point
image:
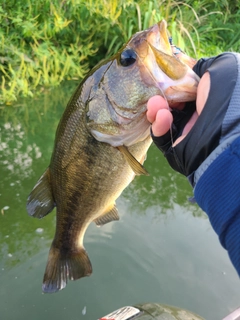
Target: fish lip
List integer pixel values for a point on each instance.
(153, 36)
(177, 82)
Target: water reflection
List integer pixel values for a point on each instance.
(26, 140)
(163, 248)
(17, 157)
(162, 189)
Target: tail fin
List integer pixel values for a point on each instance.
(62, 267)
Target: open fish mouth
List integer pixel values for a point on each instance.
(176, 80)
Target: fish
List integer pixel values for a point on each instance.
(101, 144)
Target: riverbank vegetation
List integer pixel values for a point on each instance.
(44, 42)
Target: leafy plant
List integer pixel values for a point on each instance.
(45, 42)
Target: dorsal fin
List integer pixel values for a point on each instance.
(136, 166)
(110, 215)
(40, 201)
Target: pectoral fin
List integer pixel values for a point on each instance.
(40, 201)
(136, 166)
(110, 215)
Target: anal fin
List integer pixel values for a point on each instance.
(136, 166)
(40, 201)
(110, 215)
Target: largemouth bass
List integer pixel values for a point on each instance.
(101, 143)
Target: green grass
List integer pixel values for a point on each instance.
(44, 42)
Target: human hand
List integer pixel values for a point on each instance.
(160, 112)
(187, 134)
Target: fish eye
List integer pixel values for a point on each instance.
(128, 57)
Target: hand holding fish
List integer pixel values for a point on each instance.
(201, 140)
(160, 115)
(159, 110)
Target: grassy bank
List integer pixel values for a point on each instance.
(44, 42)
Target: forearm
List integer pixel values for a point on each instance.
(217, 192)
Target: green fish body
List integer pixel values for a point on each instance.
(101, 144)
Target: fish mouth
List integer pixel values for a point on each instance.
(158, 42)
(176, 80)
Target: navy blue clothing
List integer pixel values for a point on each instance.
(218, 194)
(217, 180)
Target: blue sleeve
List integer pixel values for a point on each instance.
(218, 193)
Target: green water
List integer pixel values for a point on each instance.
(162, 250)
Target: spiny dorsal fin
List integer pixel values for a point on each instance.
(136, 166)
(40, 201)
(110, 215)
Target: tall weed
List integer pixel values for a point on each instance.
(43, 42)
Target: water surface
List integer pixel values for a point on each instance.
(162, 250)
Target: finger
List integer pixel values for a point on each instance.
(154, 104)
(162, 123)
